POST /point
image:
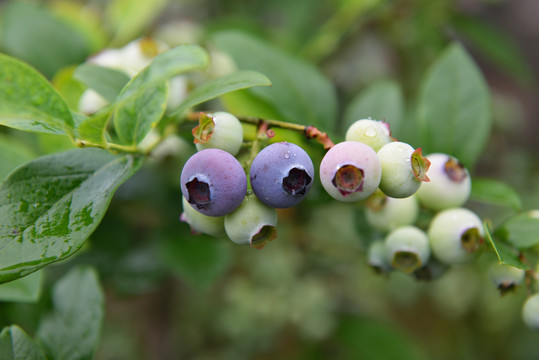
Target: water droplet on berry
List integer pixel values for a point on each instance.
(287, 156)
(370, 132)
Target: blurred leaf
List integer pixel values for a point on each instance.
(198, 260)
(69, 88)
(29, 102)
(105, 81)
(149, 81)
(381, 100)
(495, 192)
(51, 205)
(369, 339)
(299, 91)
(136, 117)
(15, 344)
(496, 45)
(14, 153)
(244, 102)
(93, 129)
(505, 253)
(32, 33)
(129, 18)
(454, 107)
(521, 231)
(26, 289)
(222, 85)
(50, 143)
(73, 330)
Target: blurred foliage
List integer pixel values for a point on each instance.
(309, 294)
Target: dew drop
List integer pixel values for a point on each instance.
(287, 156)
(370, 132)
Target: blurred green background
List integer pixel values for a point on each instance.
(309, 294)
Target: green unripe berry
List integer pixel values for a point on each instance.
(370, 132)
(506, 277)
(200, 223)
(385, 213)
(407, 248)
(403, 169)
(455, 235)
(219, 130)
(376, 257)
(253, 223)
(530, 312)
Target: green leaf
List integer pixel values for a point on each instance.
(222, 85)
(496, 45)
(29, 102)
(26, 289)
(454, 107)
(51, 205)
(148, 82)
(105, 81)
(198, 261)
(492, 191)
(136, 117)
(521, 231)
(506, 254)
(93, 129)
(381, 100)
(73, 330)
(15, 344)
(32, 33)
(14, 153)
(129, 18)
(299, 91)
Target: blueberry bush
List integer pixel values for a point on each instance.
(279, 179)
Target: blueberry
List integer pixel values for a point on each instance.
(403, 169)
(449, 185)
(407, 248)
(455, 235)
(385, 213)
(506, 277)
(213, 182)
(200, 223)
(350, 171)
(370, 132)
(253, 223)
(530, 312)
(219, 130)
(281, 175)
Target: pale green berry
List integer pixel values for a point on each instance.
(219, 130)
(253, 223)
(449, 186)
(200, 223)
(455, 235)
(376, 257)
(370, 132)
(506, 277)
(403, 169)
(385, 213)
(407, 248)
(530, 312)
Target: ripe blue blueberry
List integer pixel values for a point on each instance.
(449, 185)
(213, 182)
(530, 312)
(281, 175)
(407, 248)
(200, 223)
(403, 169)
(219, 130)
(253, 223)
(370, 132)
(350, 171)
(455, 235)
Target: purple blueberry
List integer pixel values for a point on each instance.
(281, 175)
(213, 182)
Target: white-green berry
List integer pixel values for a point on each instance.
(371, 132)
(253, 223)
(220, 130)
(403, 169)
(530, 312)
(455, 235)
(506, 277)
(449, 186)
(200, 223)
(407, 248)
(385, 213)
(377, 258)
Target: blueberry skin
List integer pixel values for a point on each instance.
(281, 175)
(213, 182)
